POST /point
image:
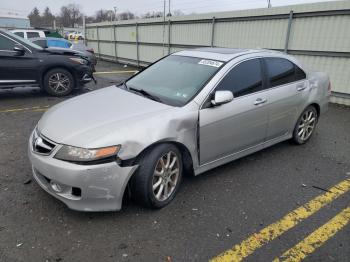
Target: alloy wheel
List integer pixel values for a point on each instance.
(166, 176)
(59, 83)
(306, 124)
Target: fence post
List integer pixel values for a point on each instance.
(169, 31)
(288, 30)
(84, 29)
(98, 43)
(137, 44)
(212, 32)
(114, 27)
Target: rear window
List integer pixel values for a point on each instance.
(32, 34)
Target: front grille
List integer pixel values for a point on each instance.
(42, 145)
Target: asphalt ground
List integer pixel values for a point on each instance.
(272, 205)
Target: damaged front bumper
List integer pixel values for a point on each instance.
(81, 187)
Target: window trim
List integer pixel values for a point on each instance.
(263, 74)
(268, 83)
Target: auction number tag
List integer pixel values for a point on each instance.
(210, 63)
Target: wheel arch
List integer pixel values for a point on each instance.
(47, 69)
(185, 153)
(317, 106)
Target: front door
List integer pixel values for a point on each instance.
(16, 69)
(239, 124)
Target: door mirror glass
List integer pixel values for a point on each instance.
(222, 97)
(19, 50)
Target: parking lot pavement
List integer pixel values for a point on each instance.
(285, 202)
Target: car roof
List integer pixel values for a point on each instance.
(48, 38)
(26, 30)
(224, 54)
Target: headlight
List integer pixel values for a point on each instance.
(78, 60)
(77, 154)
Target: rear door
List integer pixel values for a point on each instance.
(15, 69)
(240, 124)
(286, 93)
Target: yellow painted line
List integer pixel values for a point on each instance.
(40, 110)
(316, 238)
(34, 108)
(267, 234)
(115, 72)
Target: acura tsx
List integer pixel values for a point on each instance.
(186, 113)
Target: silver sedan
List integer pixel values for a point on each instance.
(188, 113)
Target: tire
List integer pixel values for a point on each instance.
(305, 125)
(151, 174)
(58, 82)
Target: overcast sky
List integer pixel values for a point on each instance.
(89, 7)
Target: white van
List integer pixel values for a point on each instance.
(29, 33)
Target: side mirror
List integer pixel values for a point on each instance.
(222, 97)
(19, 50)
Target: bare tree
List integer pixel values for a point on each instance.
(126, 16)
(47, 17)
(35, 18)
(104, 15)
(70, 15)
(152, 14)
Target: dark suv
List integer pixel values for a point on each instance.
(57, 71)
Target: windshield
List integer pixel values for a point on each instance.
(25, 41)
(175, 79)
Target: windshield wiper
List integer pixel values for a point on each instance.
(122, 84)
(145, 94)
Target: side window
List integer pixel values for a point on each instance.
(243, 79)
(281, 71)
(6, 44)
(32, 34)
(21, 34)
(299, 73)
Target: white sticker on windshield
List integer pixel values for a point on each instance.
(210, 63)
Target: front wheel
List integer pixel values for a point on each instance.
(305, 126)
(158, 177)
(58, 82)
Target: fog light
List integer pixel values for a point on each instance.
(56, 187)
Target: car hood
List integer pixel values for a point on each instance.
(91, 120)
(62, 51)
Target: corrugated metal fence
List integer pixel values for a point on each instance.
(317, 34)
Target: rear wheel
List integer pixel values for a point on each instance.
(305, 126)
(158, 177)
(58, 82)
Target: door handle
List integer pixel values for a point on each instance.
(301, 87)
(260, 101)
